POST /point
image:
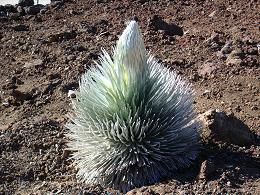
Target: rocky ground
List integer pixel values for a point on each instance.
(213, 44)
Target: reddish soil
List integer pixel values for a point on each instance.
(42, 57)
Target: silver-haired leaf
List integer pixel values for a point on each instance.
(133, 119)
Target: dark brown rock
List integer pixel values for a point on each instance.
(207, 168)
(21, 27)
(157, 23)
(33, 10)
(225, 127)
(25, 3)
(61, 36)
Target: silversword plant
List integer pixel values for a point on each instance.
(133, 120)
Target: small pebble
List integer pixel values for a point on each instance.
(71, 94)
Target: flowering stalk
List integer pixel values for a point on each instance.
(133, 120)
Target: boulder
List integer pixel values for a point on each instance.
(25, 3)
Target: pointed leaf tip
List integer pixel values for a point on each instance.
(130, 50)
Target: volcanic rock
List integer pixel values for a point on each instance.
(157, 23)
(25, 3)
(220, 126)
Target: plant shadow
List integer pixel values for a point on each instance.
(228, 163)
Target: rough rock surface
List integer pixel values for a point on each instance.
(25, 3)
(225, 127)
(44, 61)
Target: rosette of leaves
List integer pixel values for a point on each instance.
(133, 120)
